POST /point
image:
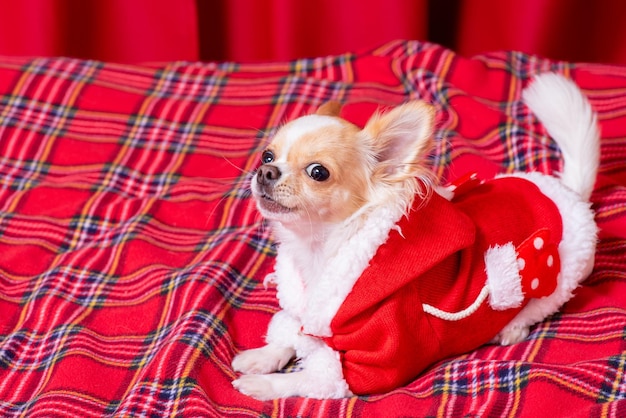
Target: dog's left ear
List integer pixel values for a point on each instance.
(331, 108)
(402, 138)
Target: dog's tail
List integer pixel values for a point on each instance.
(569, 119)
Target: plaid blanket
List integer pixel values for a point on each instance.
(132, 256)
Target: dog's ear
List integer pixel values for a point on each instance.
(331, 108)
(402, 138)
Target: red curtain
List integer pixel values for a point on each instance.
(285, 29)
(110, 30)
(572, 30)
(135, 31)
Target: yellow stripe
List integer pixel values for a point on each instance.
(445, 395)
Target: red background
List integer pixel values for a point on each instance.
(261, 30)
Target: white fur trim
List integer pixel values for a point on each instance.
(312, 285)
(283, 330)
(447, 192)
(503, 278)
(344, 269)
(324, 375)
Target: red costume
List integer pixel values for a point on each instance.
(384, 336)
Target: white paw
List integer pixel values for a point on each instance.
(258, 386)
(262, 360)
(512, 335)
(283, 385)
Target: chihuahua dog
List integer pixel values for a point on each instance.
(380, 272)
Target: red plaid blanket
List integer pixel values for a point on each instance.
(132, 257)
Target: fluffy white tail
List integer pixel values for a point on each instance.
(571, 122)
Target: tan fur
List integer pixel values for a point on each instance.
(331, 108)
(390, 150)
(336, 148)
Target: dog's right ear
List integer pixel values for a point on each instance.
(332, 108)
(402, 139)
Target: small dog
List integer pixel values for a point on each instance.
(380, 272)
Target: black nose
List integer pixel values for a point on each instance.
(267, 174)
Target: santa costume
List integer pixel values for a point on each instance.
(427, 295)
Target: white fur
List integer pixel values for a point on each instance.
(321, 375)
(569, 119)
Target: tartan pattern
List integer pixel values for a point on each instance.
(132, 257)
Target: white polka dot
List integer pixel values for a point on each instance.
(534, 284)
(550, 261)
(521, 263)
(538, 243)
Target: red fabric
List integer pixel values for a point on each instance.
(261, 30)
(381, 330)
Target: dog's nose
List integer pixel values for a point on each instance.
(267, 174)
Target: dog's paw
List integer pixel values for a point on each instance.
(257, 386)
(512, 335)
(262, 360)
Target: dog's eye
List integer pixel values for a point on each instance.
(317, 172)
(267, 157)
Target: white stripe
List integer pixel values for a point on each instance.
(302, 126)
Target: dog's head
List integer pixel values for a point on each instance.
(322, 168)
